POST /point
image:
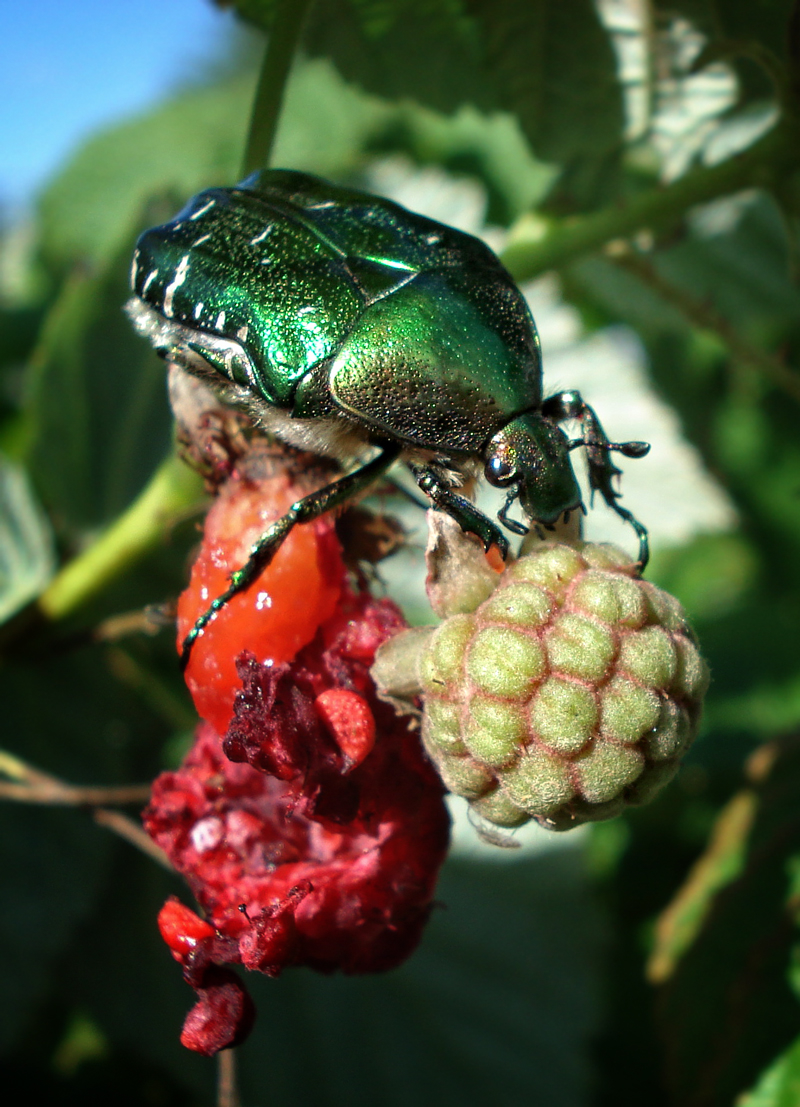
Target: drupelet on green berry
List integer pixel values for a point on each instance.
(571, 692)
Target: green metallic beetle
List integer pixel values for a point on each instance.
(346, 322)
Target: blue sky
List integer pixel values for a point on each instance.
(72, 66)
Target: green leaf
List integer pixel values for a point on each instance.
(497, 1006)
(779, 1085)
(728, 1008)
(491, 148)
(554, 66)
(62, 713)
(27, 556)
(53, 863)
(426, 52)
(123, 975)
(99, 419)
(714, 306)
(551, 65)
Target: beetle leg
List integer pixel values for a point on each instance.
(502, 515)
(409, 495)
(303, 511)
(466, 514)
(602, 470)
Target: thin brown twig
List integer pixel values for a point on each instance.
(58, 794)
(149, 620)
(129, 830)
(706, 317)
(31, 785)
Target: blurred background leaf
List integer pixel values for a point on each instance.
(729, 1004)
(27, 556)
(550, 65)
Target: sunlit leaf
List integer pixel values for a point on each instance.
(779, 1085)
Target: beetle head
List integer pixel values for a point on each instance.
(530, 457)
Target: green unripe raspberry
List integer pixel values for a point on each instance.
(494, 731)
(563, 714)
(580, 647)
(505, 662)
(443, 660)
(572, 691)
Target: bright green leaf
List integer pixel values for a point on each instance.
(779, 1085)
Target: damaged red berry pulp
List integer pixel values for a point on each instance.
(305, 819)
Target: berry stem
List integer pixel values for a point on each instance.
(227, 1092)
(127, 828)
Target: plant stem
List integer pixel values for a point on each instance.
(31, 785)
(706, 317)
(56, 793)
(139, 529)
(284, 36)
(227, 1094)
(763, 164)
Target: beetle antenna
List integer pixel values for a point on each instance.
(627, 449)
(502, 515)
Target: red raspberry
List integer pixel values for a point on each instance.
(181, 928)
(223, 1015)
(350, 720)
(352, 896)
(278, 614)
(306, 818)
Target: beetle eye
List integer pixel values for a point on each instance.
(499, 472)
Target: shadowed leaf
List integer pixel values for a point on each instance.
(99, 419)
(729, 1003)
